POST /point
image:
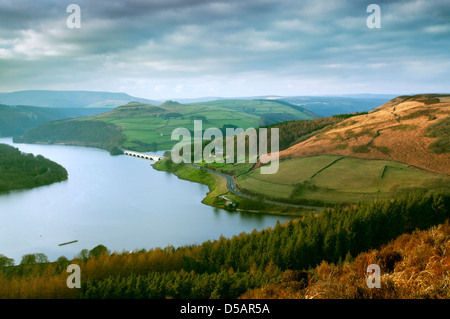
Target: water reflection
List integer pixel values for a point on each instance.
(118, 201)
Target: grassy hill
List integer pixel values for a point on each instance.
(270, 111)
(396, 148)
(321, 105)
(148, 127)
(333, 105)
(335, 179)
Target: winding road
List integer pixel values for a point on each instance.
(232, 188)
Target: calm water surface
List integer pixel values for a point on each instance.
(118, 201)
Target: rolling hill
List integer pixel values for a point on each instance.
(410, 129)
(321, 105)
(399, 147)
(147, 127)
(270, 111)
(16, 120)
(333, 105)
(69, 99)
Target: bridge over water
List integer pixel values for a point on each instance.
(143, 155)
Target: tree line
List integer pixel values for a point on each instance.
(77, 132)
(21, 171)
(227, 267)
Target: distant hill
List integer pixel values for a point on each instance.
(148, 127)
(69, 99)
(322, 106)
(16, 120)
(270, 111)
(332, 105)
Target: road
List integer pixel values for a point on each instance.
(232, 188)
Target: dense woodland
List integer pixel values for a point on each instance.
(20, 171)
(229, 268)
(84, 133)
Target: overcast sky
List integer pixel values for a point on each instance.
(160, 49)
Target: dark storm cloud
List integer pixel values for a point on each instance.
(228, 47)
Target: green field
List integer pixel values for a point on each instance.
(148, 127)
(333, 179)
(258, 107)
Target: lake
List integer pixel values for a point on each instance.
(117, 201)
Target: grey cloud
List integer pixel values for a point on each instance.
(179, 41)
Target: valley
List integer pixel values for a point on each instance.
(341, 179)
(350, 158)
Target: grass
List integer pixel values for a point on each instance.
(148, 127)
(256, 107)
(231, 168)
(441, 131)
(419, 113)
(334, 179)
(403, 127)
(360, 149)
(144, 125)
(383, 149)
(342, 146)
(218, 189)
(217, 185)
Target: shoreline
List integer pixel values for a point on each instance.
(221, 185)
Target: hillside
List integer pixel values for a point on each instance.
(70, 99)
(148, 127)
(399, 147)
(412, 130)
(16, 120)
(320, 105)
(333, 105)
(270, 111)
(413, 266)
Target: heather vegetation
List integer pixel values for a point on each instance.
(441, 131)
(412, 266)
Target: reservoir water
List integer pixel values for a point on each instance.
(117, 201)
